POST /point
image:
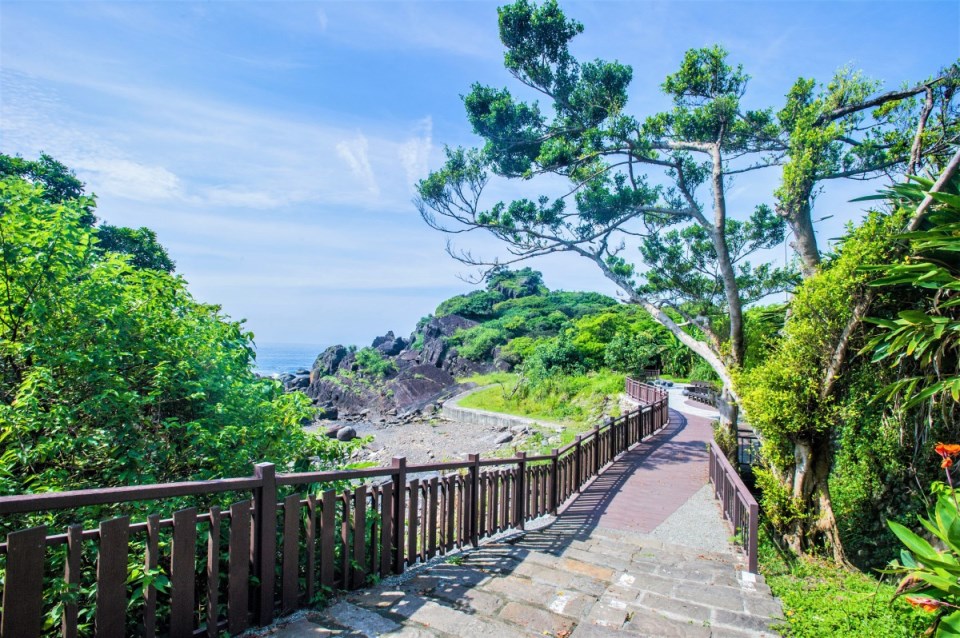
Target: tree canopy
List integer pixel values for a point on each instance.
(112, 374)
(60, 184)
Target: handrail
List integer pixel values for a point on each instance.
(738, 505)
(644, 392)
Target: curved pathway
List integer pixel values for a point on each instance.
(642, 551)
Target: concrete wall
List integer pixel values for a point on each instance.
(451, 410)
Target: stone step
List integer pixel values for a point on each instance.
(545, 584)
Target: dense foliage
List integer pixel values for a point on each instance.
(867, 436)
(59, 184)
(547, 332)
(112, 374)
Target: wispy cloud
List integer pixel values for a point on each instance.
(415, 152)
(354, 153)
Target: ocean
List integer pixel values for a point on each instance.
(276, 358)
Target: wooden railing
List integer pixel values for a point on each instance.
(290, 539)
(644, 393)
(738, 505)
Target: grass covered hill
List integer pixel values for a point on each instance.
(514, 324)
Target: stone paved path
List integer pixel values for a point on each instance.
(601, 569)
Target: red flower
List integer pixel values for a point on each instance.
(947, 449)
(947, 462)
(926, 604)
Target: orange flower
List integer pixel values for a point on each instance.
(926, 604)
(947, 449)
(947, 462)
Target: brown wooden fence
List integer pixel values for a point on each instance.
(643, 392)
(738, 505)
(292, 537)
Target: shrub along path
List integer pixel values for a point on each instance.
(642, 551)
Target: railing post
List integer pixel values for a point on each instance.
(399, 465)
(754, 513)
(521, 500)
(265, 539)
(596, 451)
(474, 499)
(577, 467)
(554, 480)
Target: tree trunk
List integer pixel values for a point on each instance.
(797, 212)
(718, 234)
(813, 459)
(805, 241)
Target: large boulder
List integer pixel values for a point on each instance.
(434, 334)
(298, 382)
(389, 345)
(419, 385)
(328, 362)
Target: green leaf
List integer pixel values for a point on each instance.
(949, 625)
(923, 551)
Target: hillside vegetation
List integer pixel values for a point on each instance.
(567, 353)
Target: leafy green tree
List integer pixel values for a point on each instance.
(60, 184)
(115, 375)
(141, 244)
(631, 178)
(813, 407)
(848, 129)
(58, 181)
(632, 353)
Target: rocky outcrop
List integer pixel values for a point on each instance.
(389, 345)
(328, 362)
(420, 376)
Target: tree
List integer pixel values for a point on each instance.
(141, 244)
(632, 179)
(114, 375)
(60, 185)
(848, 129)
(800, 396)
(58, 181)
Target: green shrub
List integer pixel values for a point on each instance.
(476, 305)
(372, 364)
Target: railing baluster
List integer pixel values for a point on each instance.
(399, 513)
(213, 572)
(289, 591)
(265, 539)
(23, 583)
(182, 567)
(110, 618)
(328, 539)
(432, 518)
(386, 528)
(71, 578)
(239, 568)
(311, 541)
(414, 488)
(359, 536)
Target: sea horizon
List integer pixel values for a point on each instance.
(277, 358)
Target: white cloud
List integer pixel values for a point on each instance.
(354, 153)
(322, 20)
(129, 179)
(415, 152)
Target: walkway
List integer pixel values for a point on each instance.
(641, 552)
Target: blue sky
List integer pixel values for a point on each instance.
(274, 146)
